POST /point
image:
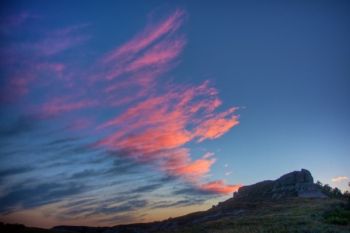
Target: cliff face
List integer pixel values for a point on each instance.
(294, 184)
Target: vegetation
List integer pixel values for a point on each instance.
(339, 216)
(333, 192)
(19, 228)
(295, 215)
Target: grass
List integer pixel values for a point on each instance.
(294, 215)
(338, 216)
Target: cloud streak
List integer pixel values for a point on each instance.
(121, 105)
(158, 127)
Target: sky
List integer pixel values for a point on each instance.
(117, 112)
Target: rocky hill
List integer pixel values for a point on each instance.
(292, 203)
(294, 184)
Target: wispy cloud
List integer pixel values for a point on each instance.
(58, 106)
(157, 125)
(157, 129)
(24, 197)
(147, 121)
(27, 63)
(149, 35)
(10, 22)
(228, 173)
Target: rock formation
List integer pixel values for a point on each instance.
(294, 184)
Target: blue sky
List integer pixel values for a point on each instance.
(109, 109)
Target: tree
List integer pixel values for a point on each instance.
(336, 193)
(327, 189)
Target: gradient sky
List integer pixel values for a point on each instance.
(134, 111)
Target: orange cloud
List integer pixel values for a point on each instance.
(180, 164)
(219, 186)
(159, 54)
(216, 126)
(157, 129)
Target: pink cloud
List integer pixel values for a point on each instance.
(149, 35)
(219, 186)
(191, 170)
(26, 76)
(155, 47)
(54, 45)
(216, 126)
(55, 67)
(26, 64)
(59, 106)
(159, 54)
(11, 22)
(16, 86)
(158, 121)
(157, 130)
(80, 123)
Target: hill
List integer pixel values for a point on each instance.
(292, 203)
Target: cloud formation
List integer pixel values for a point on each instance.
(123, 105)
(339, 179)
(157, 128)
(24, 196)
(155, 124)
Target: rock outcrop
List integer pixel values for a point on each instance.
(294, 184)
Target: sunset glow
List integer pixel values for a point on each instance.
(122, 112)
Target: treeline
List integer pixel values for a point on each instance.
(333, 192)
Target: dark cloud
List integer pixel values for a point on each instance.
(23, 124)
(193, 191)
(110, 206)
(78, 203)
(23, 197)
(124, 166)
(62, 141)
(185, 202)
(76, 212)
(125, 207)
(119, 167)
(14, 171)
(147, 188)
(122, 218)
(168, 179)
(86, 174)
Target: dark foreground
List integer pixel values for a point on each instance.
(292, 215)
